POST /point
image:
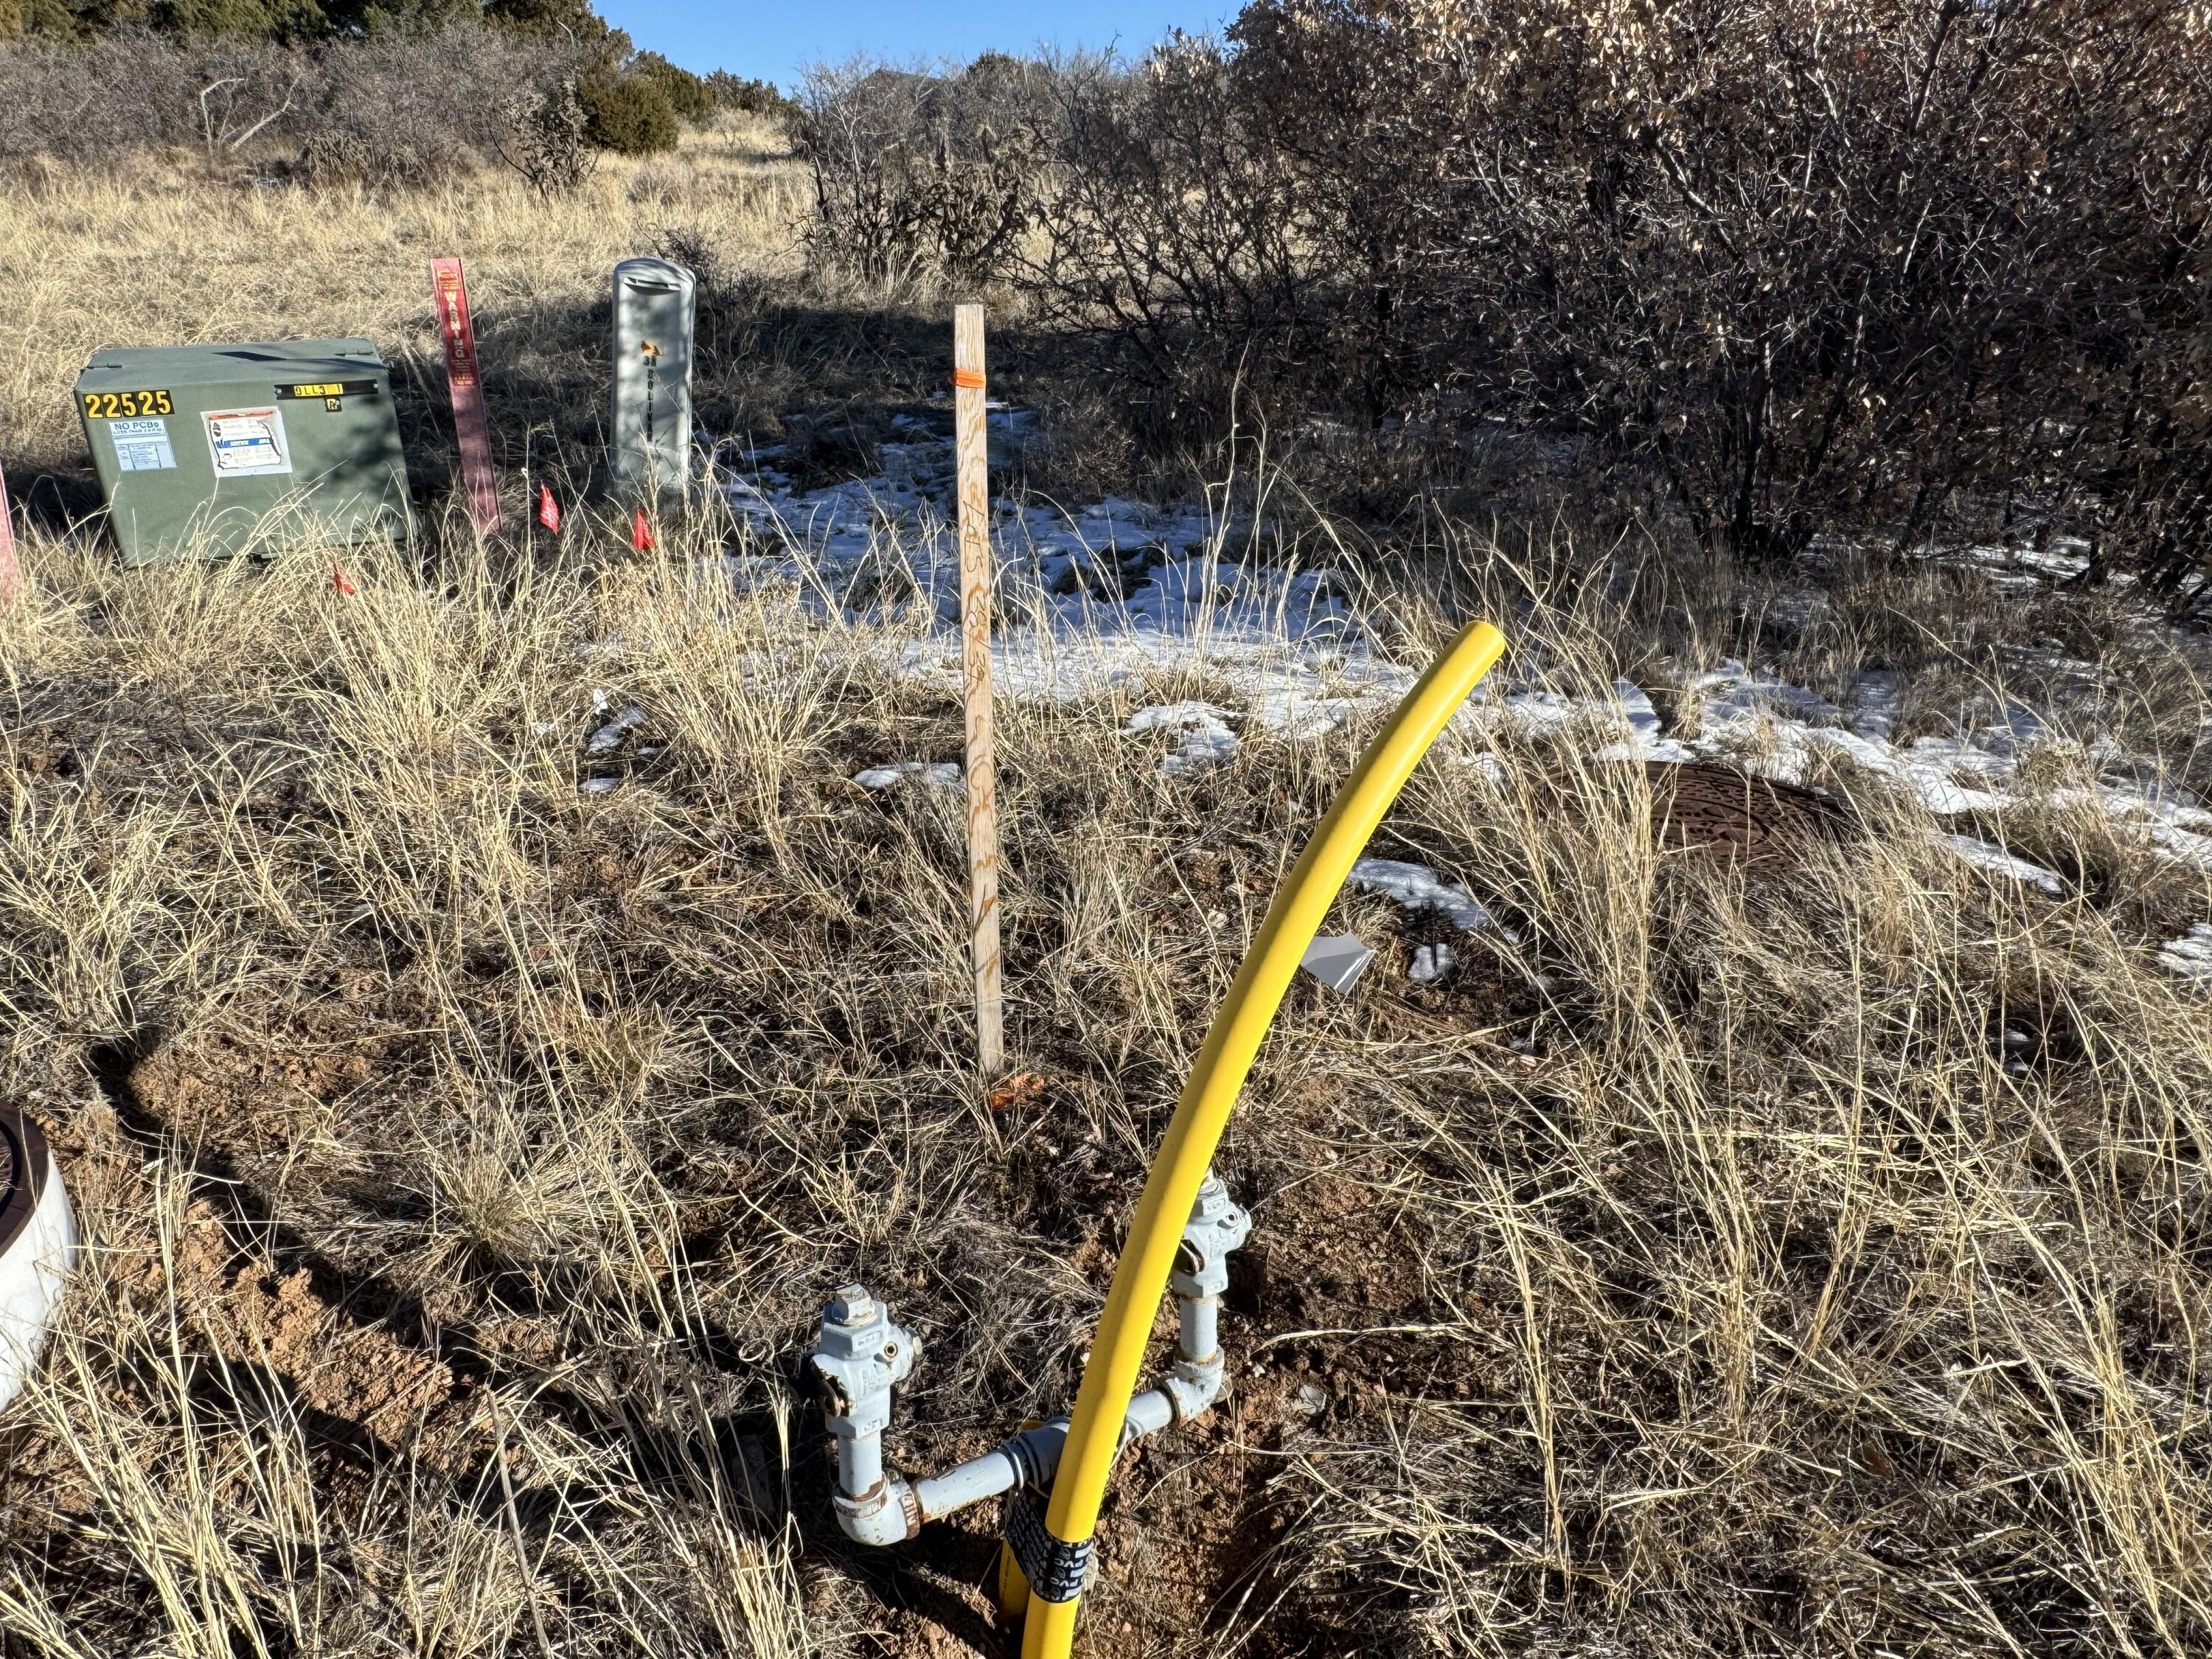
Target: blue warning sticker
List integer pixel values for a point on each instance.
(142, 446)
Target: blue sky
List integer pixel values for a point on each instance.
(770, 42)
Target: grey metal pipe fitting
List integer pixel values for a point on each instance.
(861, 1355)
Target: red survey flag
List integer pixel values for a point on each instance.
(339, 578)
(470, 425)
(641, 533)
(549, 510)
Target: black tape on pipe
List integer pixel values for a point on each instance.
(1054, 1567)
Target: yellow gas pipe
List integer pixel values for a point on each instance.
(1118, 1353)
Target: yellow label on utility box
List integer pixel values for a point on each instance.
(125, 405)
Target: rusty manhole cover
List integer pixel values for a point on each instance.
(1735, 818)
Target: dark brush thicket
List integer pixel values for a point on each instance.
(1883, 265)
(378, 94)
(917, 173)
(385, 110)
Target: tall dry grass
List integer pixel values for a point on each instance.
(150, 254)
(1792, 1260)
(1799, 1259)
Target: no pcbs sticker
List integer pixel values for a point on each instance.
(248, 443)
(142, 446)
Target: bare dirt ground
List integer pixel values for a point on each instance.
(1774, 1234)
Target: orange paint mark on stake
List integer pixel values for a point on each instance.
(471, 426)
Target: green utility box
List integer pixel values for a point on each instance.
(207, 451)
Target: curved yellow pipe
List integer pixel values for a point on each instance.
(1140, 1279)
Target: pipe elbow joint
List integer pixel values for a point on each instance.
(887, 1513)
(1194, 1385)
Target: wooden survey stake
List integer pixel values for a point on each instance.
(470, 425)
(972, 450)
(11, 573)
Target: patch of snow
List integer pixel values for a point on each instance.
(2053, 562)
(1207, 739)
(1987, 856)
(1877, 699)
(1415, 887)
(2190, 957)
(1637, 707)
(1121, 594)
(1286, 686)
(1431, 962)
(1643, 742)
(609, 738)
(1490, 769)
(2170, 818)
(937, 774)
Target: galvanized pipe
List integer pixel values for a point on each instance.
(862, 1354)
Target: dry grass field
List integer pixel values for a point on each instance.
(161, 252)
(1787, 1239)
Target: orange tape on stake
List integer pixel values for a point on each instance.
(967, 379)
(470, 424)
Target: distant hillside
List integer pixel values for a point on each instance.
(294, 20)
(382, 92)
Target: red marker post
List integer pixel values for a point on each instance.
(11, 572)
(470, 424)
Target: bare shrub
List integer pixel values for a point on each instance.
(1173, 231)
(381, 110)
(1807, 262)
(922, 174)
(1875, 265)
(129, 90)
(545, 138)
(436, 96)
(345, 158)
